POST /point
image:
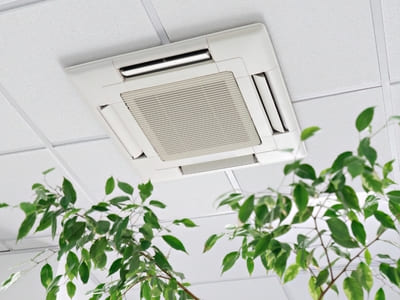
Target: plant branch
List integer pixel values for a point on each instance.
(346, 266)
(324, 247)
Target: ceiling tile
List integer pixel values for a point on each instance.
(94, 162)
(391, 19)
(17, 134)
(335, 115)
(323, 46)
(36, 42)
(193, 196)
(255, 289)
(17, 174)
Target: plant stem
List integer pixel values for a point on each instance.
(324, 247)
(169, 276)
(346, 266)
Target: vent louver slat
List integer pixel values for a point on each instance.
(269, 103)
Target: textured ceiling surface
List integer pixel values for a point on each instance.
(337, 57)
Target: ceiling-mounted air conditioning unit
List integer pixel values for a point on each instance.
(214, 102)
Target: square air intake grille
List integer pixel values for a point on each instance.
(193, 117)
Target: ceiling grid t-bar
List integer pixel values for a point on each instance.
(383, 62)
(46, 142)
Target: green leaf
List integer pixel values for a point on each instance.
(174, 242)
(10, 281)
(358, 231)
(27, 207)
(368, 257)
(306, 171)
(3, 205)
(372, 182)
(364, 118)
(115, 266)
(355, 165)
(300, 195)
(338, 164)
(250, 265)
(102, 227)
(340, 233)
(46, 275)
(125, 187)
(48, 171)
(84, 272)
(394, 196)
(145, 190)
(291, 273)
(71, 289)
(384, 219)
(229, 260)
(72, 265)
(246, 209)
(110, 185)
(291, 167)
(119, 199)
(366, 150)
(380, 295)
(69, 191)
(315, 291)
(390, 272)
(26, 226)
(322, 277)
(157, 204)
(185, 221)
(348, 197)
(151, 219)
(366, 276)
(45, 222)
(387, 168)
(145, 291)
(302, 216)
(262, 245)
(308, 132)
(352, 289)
(211, 241)
(75, 231)
(370, 206)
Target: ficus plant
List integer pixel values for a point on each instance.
(320, 226)
(120, 236)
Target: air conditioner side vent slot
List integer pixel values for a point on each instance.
(165, 63)
(269, 103)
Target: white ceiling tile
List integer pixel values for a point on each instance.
(191, 197)
(323, 46)
(94, 162)
(254, 289)
(336, 116)
(17, 174)
(391, 19)
(36, 42)
(16, 134)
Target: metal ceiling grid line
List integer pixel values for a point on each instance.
(383, 62)
(22, 150)
(46, 142)
(9, 5)
(155, 21)
(337, 93)
(81, 141)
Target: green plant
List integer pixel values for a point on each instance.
(124, 228)
(332, 240)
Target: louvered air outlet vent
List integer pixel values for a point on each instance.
(214, 102)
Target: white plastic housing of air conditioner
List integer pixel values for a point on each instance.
(246, 53)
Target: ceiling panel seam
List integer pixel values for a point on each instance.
(155, 21)
(17, 4)
(46, 142)
(383, 62)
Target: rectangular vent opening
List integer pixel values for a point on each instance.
(269, 103)
(166, 63)
(219, 164)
